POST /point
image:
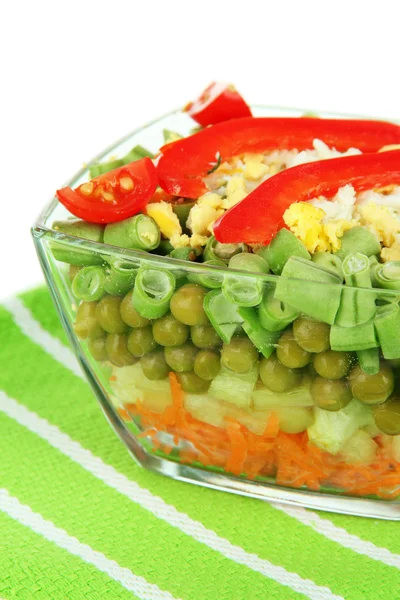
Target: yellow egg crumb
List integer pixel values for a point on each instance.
(392, 253)
(255, 170)
(381, 221)
(165, 218)
(180, 241)
(334, 230)
(249, 157)
(201, 217)
(198, 240)
(210, 199)
(235, 183)
(233, 198)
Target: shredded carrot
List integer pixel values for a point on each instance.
(290, 458)
(113, 378)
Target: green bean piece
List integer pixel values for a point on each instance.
(88, 284)
(207, 364)
(109, 316)
(216, 251)
(192, 383)
(140, 232)
(209, 279)
(171, 136)
(240, 355)
(97, 169)
(71, 254)
(290, 353)
(72, 271)
(182, 210)
(311, 335)
(186, 253)
(387, 416)
(165, 247)
(372, 389)
(332, 364)
(167, 331)
(282, 247)
(357, 306)
(278, 378)
(361, 337)
(263, 252)
(319, 298)
(387, 275)
(330, 262)
(387, 325)
(223, 315)
(135, 154)
(181, 358)
(130, 315)
(205, 337)
(154, 366)
(358, 240)
(117, 350)
(153, 291)
(245, 290)
(369, 360)
(274, 314)
(262, 339)
(187, 305)
(141, 342)
(330, 395)
(86, 324)
(120, 278)
(97, 348)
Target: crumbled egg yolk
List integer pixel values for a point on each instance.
(392, 253)
(202, 216)
(180, 241)
(305, 221)
(165, 218)
(381, 221)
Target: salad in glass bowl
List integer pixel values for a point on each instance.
(233, 296)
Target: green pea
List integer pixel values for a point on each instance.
(167, 331)
(204, 336)
(154, 365)
(330, 394)
(192, 383)
(240, 355)
(290, 353)
(187, 304)
(207, 364)
(311, 335)
(86, 324)
(276, 377)
(117, 350)
(141, 342)
(181, 358)
(97, 348)
(331, 364)
(109, 316)
(387, 416)
(372, 389)
(129, 315)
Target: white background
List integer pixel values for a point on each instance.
(75, 76)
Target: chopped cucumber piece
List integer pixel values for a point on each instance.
(264, 399)
(234, 387)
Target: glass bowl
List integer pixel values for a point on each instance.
(226, 429)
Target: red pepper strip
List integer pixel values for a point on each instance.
(219, 102)
(258, 217)
(184, 163)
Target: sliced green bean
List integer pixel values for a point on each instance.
(361, 337)
(120, 278)
(283, 246)
(264, 340)
(387, 324)
(369, 360)
(140, 232)
(274, 314)
(358, 240)
(222, 314)
(387, 275)
(186, 253)
(165, 247)
(330, 262)
(319, 297)
(171, 136)
(72, 254)
(241, 289)
(357, 306)
(216, 251)
(152, 292)
(97, 169)
(135, 154)
(182, 211)
(209, 279)
(88, 284)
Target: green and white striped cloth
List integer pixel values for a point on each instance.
(80, 520)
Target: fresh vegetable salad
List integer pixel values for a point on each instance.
(269, 347)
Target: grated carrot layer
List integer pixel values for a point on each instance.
(289, 458)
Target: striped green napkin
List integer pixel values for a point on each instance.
(79, 519)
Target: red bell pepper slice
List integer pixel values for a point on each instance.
(258, 217)
(219, 102)
(184, 163)
(114, 196)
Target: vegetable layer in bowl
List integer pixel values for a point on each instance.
(269, 346)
